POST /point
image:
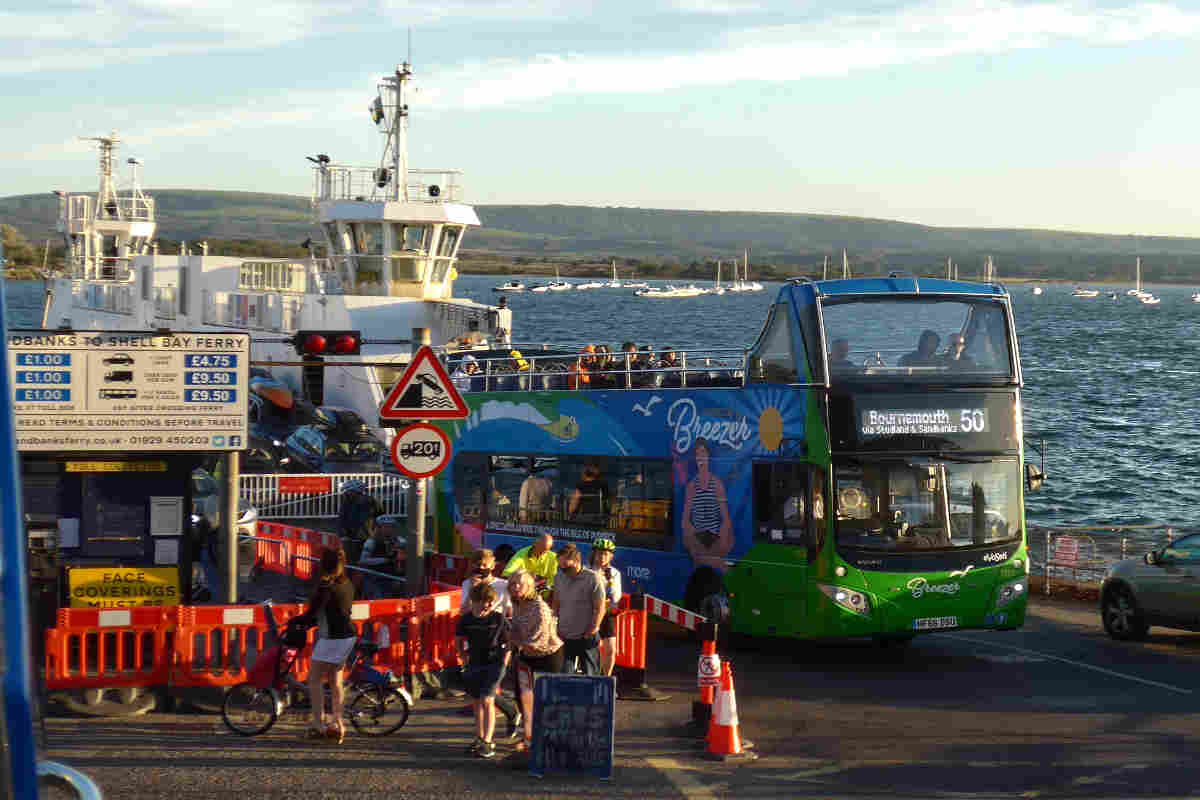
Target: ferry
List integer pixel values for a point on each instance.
(391, 236)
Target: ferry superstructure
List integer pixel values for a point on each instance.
(391, 240)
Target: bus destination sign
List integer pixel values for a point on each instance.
(80, 391)
(974, 420)
(930, 421)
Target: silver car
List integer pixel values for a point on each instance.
(1161, 588)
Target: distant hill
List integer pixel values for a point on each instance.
(674, 242)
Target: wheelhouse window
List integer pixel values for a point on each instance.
(933, 338)
(576, 498)
(773, 359)
(449, 243)
(926, 504)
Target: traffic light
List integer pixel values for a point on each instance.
(328, 343)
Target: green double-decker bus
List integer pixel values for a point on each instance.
(857, 471)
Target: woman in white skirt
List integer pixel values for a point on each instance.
(329, 608)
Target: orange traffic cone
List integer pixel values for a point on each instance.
(724, 739)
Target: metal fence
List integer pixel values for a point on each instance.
(1081, 555)
(318, 496)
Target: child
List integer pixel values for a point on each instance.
(482, 641)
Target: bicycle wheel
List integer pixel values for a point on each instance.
(377, 710)
(249, 710)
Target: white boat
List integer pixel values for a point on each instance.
(614, 283)
(511, 286)
(1149, 299)
(1196, 297)
(1037, 290)
(1081, 292)
(717, 289)
(591, 285)
(556, 285)
(637, 285)
(670, 291)
(391, 241)
(1137, 291)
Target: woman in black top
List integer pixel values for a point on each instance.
(329, 608)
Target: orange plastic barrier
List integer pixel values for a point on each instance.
(96, 648)
(448, 569)
(633, 626)
(431, 629)
(216, 645)
(282, 558)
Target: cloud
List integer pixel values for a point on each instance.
(832, 45)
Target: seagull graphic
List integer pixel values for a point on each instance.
(645, 410)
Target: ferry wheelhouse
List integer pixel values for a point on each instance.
(857, 471)
(391, 239)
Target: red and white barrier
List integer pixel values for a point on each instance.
(673, 613)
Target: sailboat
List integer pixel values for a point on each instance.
(751, 286)
(1137, 290)
(1037, 290)
(614, 283)
(717, 288)
(510, 286)
(845, 264)
(1081, 292)
(556, 285)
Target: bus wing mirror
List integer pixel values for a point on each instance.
(1034, 478)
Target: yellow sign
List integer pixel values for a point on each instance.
(123, 587)
(116, 466)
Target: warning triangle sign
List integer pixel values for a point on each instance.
(423, 392)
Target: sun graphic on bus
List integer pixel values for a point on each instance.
(770, 428)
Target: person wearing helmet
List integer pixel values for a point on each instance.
(610, 579)
(356, 517)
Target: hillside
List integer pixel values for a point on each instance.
(668, 242)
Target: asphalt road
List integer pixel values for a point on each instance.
(1054, 710)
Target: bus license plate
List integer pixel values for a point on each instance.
(934, 623)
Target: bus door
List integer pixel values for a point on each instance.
(772, 596)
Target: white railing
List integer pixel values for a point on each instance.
(361, 183)
(261, 311)
(318, 495)
(116, 298)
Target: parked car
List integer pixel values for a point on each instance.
(1161, 588)
(322, 448)
(207, 508)
(263, 455)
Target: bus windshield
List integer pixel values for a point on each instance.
(926, 504)
(934, 338)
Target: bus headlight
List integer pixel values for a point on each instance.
(1008, 592)
(848, 599)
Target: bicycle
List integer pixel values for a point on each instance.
(376, 705)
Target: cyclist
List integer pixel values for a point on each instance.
(356, 518)
(610, 579)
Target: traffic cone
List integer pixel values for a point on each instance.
(724, 739)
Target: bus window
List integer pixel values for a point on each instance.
(781, 502)
(773, 359)
(577, 498)
(469, 471)
(906, 505)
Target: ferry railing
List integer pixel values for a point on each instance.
(363, 184)
(556, 368)
(165, 303)
(264, 492)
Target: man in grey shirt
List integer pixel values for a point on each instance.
(580, 604)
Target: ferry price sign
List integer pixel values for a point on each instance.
(129, 391)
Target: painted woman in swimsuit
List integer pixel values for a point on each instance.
(707, 528)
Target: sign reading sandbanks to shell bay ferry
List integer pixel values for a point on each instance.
(122, 391)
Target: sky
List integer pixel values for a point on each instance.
(1060, 115)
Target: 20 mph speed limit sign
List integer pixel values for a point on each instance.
(420, 450)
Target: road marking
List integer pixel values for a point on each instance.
(675, 772)
(1080, 664)
(1013, 659)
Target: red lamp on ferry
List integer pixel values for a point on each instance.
(328, 343)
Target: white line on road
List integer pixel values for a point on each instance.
(688, 786)
(1079, 664)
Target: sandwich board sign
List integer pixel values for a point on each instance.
(573, 725)
(424, 391)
